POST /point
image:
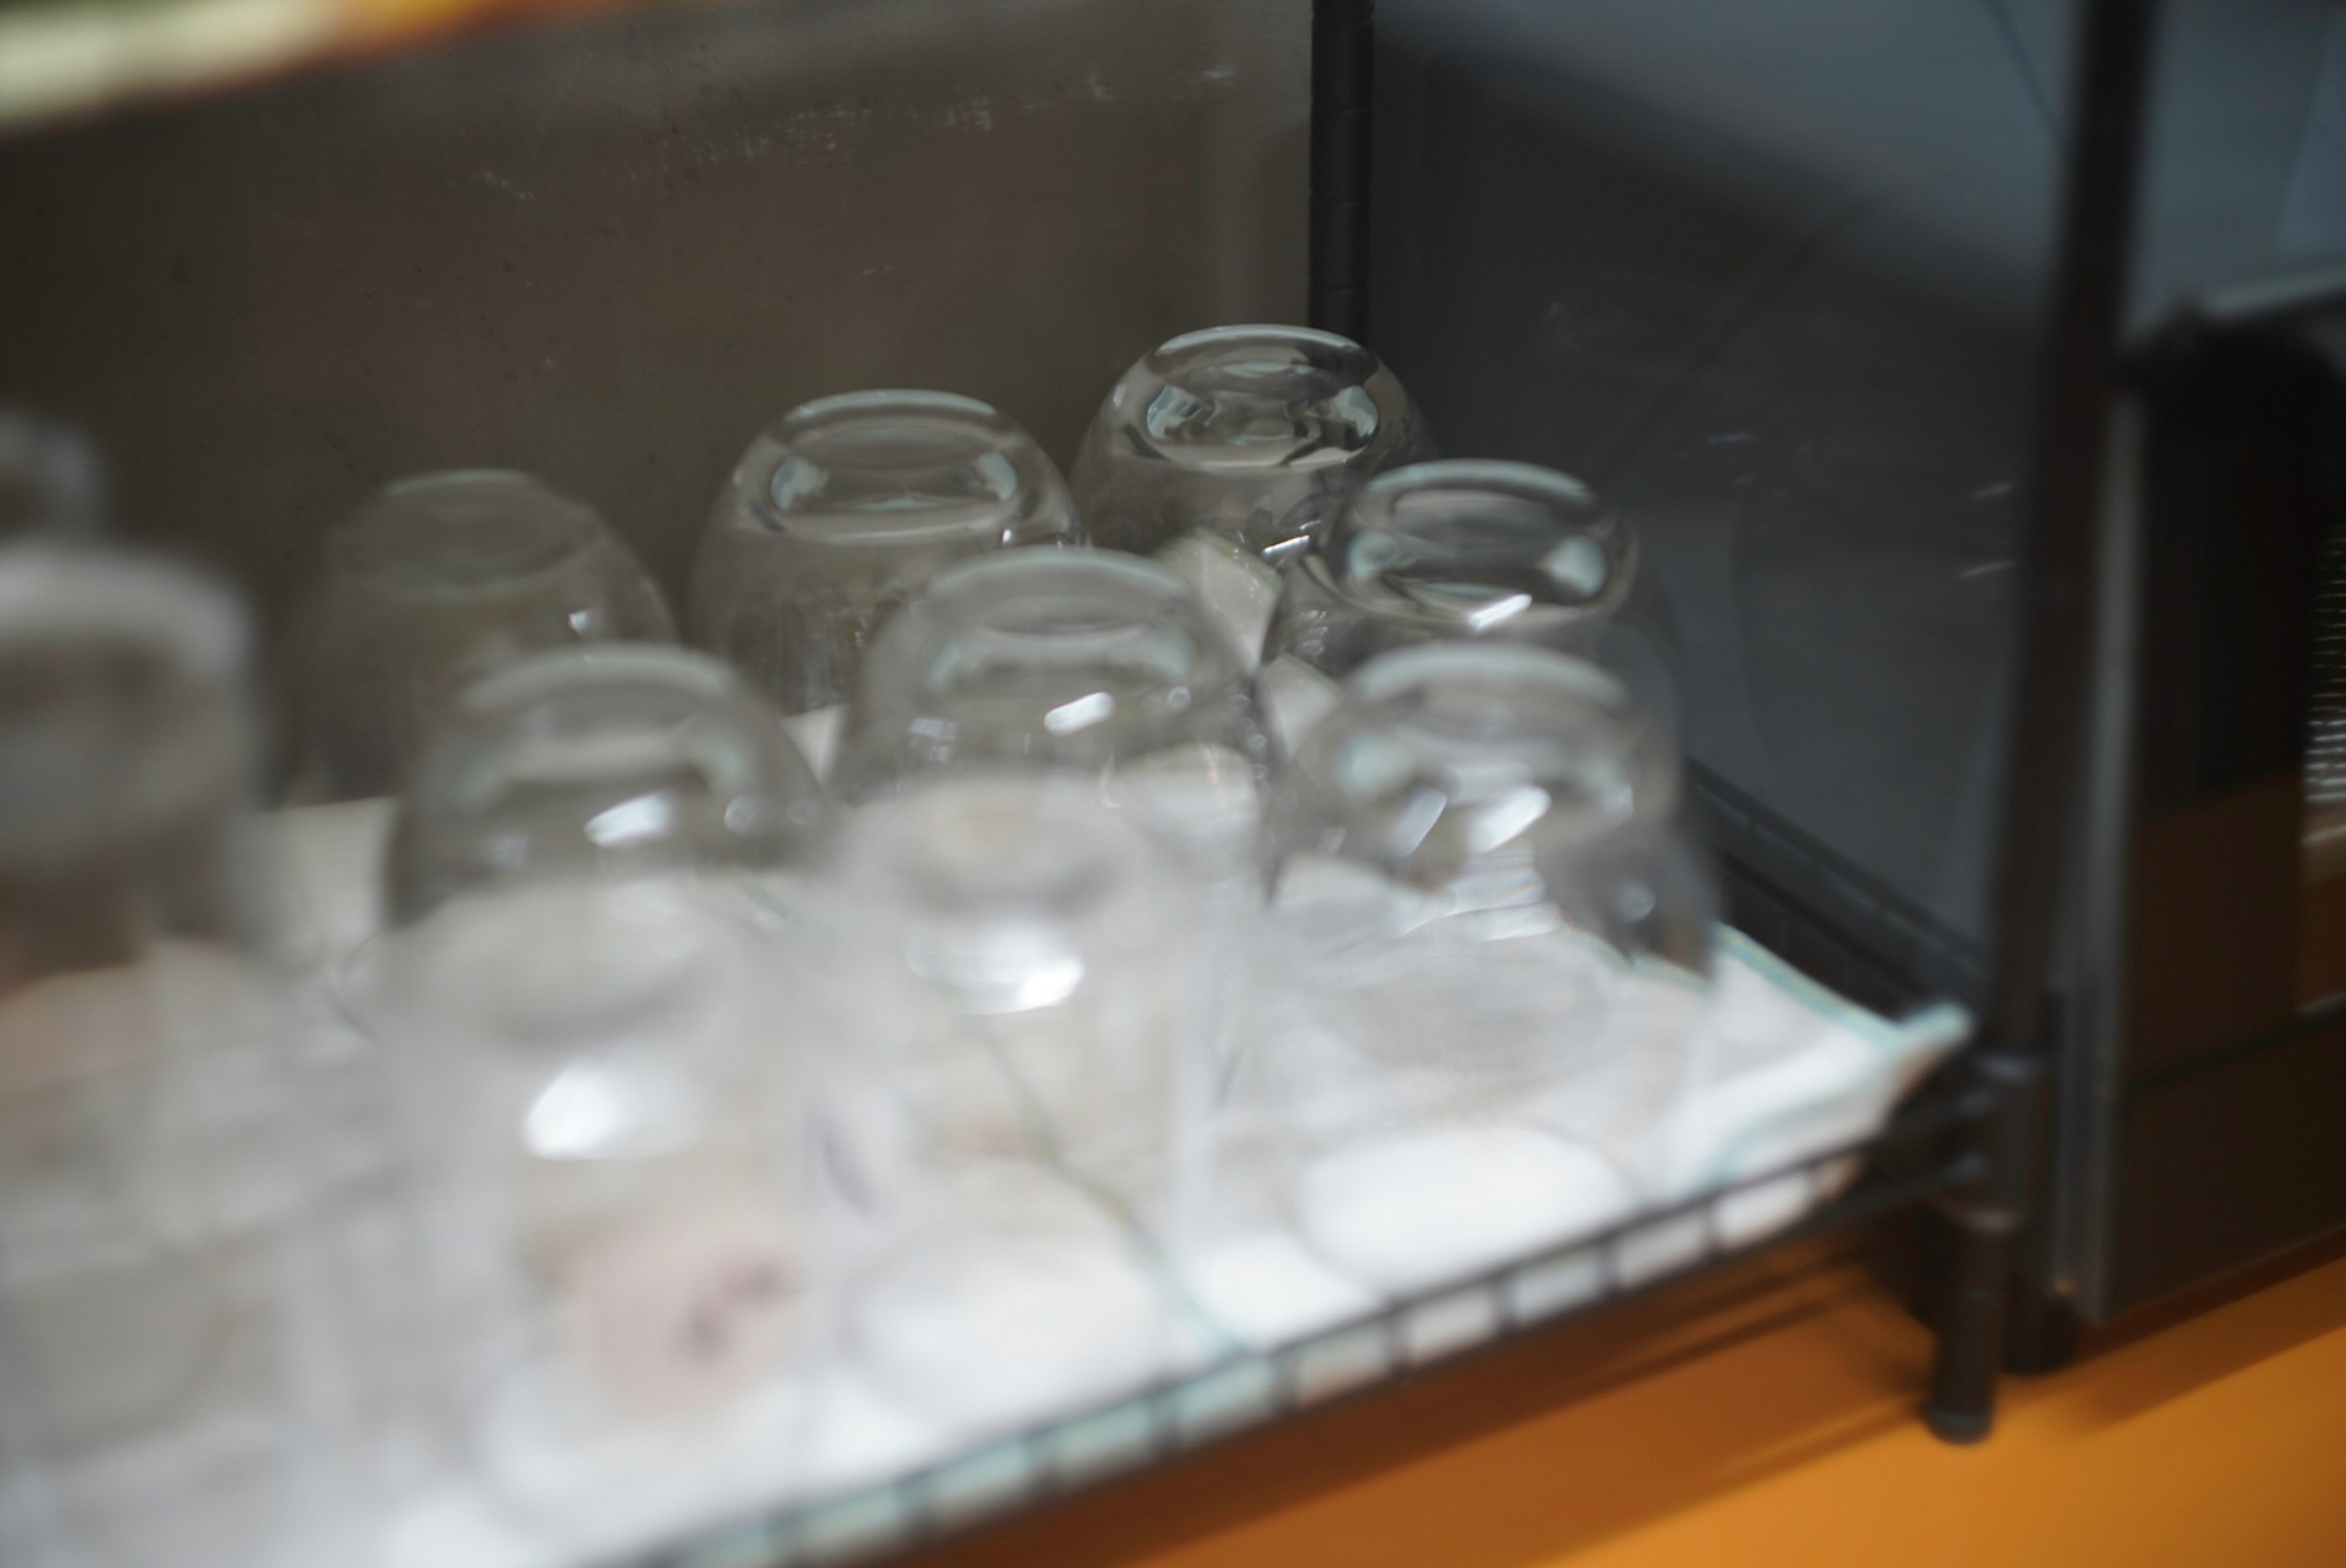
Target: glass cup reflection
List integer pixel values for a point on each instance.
(437, 581)
(840, 512)
(1245, 432)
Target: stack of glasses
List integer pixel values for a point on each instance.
(632, 1082)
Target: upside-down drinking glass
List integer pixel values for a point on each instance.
(1497, 940)
(1075, 660)
(840, 512)
(590, 1033)
(153, 1406)
(1467, 549)
(437, 581)
(598, 761)
(1247, 432)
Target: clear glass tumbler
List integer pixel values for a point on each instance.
(1018, 1091)
(842, 511)
(596, 761)
(1468, 549)
(589, 1024)
(1249, 433)
(152, 1383)
(1494, 942)
(437, 581)
(1075, 660)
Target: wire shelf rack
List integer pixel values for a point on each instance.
(1937, 1144)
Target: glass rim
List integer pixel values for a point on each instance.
(364, 546)
(1578, 510)
(750, 496)
(891, 399)
(1138, 570)
(1252, 401)
(1189, 348)
(561, 672)
(1404, 669)
(1505, 476)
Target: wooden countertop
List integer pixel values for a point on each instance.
(1765, 1417)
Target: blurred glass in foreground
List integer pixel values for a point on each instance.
(1019, 1085)
(589, 1035)
(152, 1407)
(436, 582)
(600, 761)
(1495, 943)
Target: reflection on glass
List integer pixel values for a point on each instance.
(840, 512)
(436, 582)
(1246, 432)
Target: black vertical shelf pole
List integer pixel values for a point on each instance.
(1344, 34)
(2076, 387)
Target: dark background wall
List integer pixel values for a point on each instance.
(608, 251)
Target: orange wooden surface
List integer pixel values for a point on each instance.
(395, 24)
(1764, 1419)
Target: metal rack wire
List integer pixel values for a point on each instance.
(1944, 1141)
